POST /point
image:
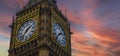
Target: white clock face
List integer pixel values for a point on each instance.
(59, 34)
(26, 30)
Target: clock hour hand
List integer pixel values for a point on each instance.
(27, 29)
(58, 35)
(21, 37)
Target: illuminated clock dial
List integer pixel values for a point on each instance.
(26, 30)
(59, 34)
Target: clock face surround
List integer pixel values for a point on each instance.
(59, 34)
(26, 30)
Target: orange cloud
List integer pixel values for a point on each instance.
(103, 37)
(99, 40)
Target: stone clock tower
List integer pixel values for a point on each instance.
(40, 29)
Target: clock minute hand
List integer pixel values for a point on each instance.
(26, 30)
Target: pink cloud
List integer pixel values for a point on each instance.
(4, 24)
(101, 37)
(4, 44)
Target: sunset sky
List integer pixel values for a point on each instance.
(95, 24)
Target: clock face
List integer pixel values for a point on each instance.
(26, 30)
(59, 34)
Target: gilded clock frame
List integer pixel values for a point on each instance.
(29, 15)
(58, 19)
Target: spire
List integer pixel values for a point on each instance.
(53, 3)
(32, 2)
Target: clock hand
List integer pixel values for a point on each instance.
(62, 40)
(23, 32)
(21, 37)
(29, 31)
(26, 30)
(58, 35)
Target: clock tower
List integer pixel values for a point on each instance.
(40, 29)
